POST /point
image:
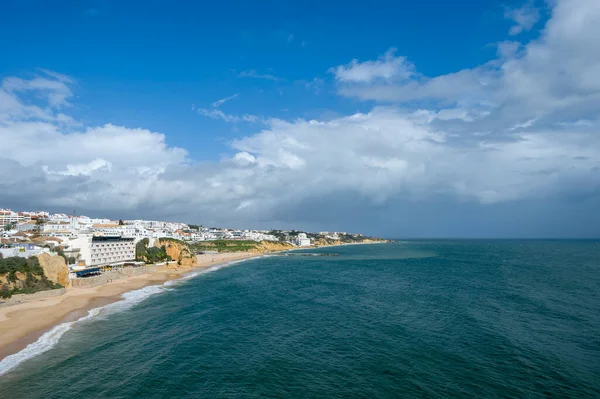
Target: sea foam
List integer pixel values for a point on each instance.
(43, 344)
(50, 338)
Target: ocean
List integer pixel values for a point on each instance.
(431, 319)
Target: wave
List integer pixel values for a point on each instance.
(131, 298)
(43, 344)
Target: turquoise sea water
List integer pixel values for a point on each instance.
(439, 319)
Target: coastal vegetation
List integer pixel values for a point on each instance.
(23, 276)
(144, 253)
(165, 250)
(225, 246)
(177, 250)
(170, 239)
(69, 260)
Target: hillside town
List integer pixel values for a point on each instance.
(91, 243)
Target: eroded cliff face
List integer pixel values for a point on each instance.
(324, 242)
(179, 252)
(271, 246)
(55, 268)
(18, 283)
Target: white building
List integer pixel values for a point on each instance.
(21, 250)
(9, 217)
(104, 250)
(56, 226)
(302, 240)
(26, 226)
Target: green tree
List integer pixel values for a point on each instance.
(5, 291)
(141, 252)
(33, 266)
(39, 226)
(121, 223)
(62, 253)
(35, 280)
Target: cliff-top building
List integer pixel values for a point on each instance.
(103, 250)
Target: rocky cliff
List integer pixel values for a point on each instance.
(55, 268)
(17, 282)
(324, 242)
(26, 275)
(271, 246)
(178, 251)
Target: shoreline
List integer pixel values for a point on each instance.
(24, 323)
(332, 246)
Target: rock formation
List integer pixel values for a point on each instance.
(271, 246)
(55, 268)
(178, 251)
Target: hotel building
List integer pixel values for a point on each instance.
(104, 250)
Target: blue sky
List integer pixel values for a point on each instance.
(146, 63)
(406, 104)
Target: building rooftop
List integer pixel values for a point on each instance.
(111, 238)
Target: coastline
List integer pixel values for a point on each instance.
(334, 245)
(24, 323)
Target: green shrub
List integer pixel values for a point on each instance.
(5, 291)
(31, 268)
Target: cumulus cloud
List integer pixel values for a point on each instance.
(554, 76)
(390, 152)
(388, 67)
(523, 127)
(52, 163)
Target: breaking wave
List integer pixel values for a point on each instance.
(50, 338)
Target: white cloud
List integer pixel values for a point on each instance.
(216, 113)
(554, 76)
(222, 101)
(388, 68)
(253, 74)
(243, 158)
(382, 155)
(524, 18)
(387, 153)
(54, 89)
(53, 163)
(82, 169)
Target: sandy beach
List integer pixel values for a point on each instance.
(24, 323)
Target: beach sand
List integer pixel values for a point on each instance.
(24, 323)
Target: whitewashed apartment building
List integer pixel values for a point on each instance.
(104, 250)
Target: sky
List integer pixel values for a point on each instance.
(397, 119)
